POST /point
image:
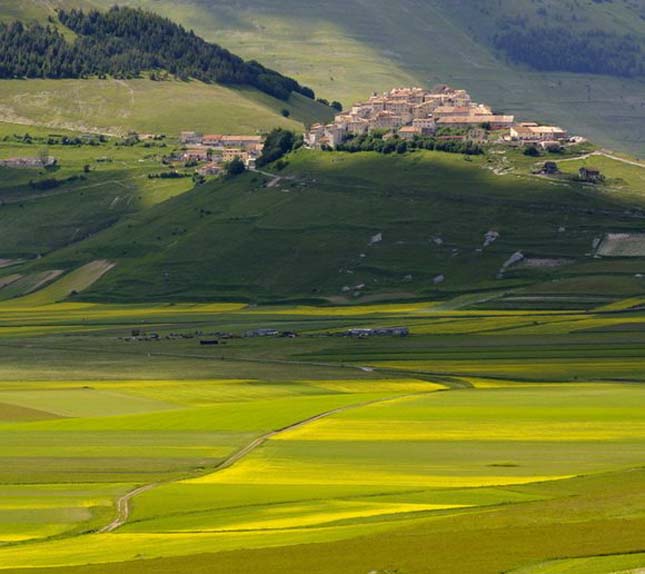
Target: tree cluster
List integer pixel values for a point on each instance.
(277, 144)
(124, 43)
(375, 142)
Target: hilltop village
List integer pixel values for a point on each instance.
(443, 118)
(443, 113)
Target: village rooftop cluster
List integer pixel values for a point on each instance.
(217, 150)
(440, 112)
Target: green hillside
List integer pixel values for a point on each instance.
(349, 228)
(345, 50)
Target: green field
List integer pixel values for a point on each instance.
(523, 431)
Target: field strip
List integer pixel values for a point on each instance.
(123, 503)
(237, 360)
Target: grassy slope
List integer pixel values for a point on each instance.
(309, 236)
(114, 106)
(37, 221)
(346, 50)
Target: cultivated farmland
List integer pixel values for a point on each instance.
(127, 453)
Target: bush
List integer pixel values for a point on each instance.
(532, 151)
(235, 167)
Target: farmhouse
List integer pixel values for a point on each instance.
(590, 175)
(550, 168)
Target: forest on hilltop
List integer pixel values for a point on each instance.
(124, 43)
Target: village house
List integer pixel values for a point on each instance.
(428, 126)
(212, 168)
(196, 154)
(495, 122)
(409, 132)
(445, 111)
(242, 141)
(533, 133)
(212, 141)
(500, 122)
(229, 154)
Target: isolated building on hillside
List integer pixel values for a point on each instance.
(590, 175)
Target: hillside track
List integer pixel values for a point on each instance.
(124, 506)
(608, 155)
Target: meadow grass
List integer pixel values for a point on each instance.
(119, 106)
(619, 564)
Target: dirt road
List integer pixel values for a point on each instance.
(123, 505)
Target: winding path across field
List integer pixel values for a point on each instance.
(602, 153)
(123, 504)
